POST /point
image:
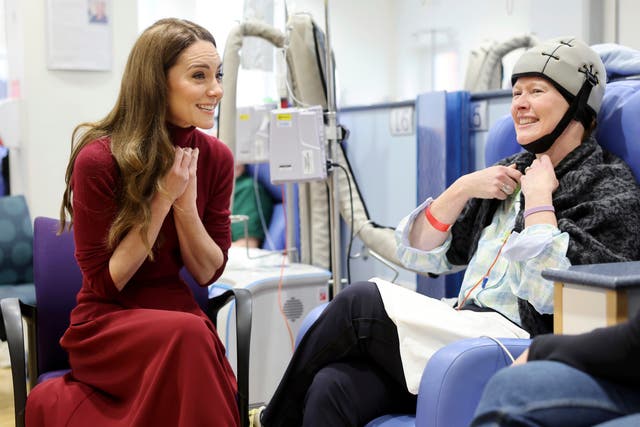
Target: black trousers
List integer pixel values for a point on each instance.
(346, 370)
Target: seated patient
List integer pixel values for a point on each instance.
(590, 379)
(250, 198)
(564, 201)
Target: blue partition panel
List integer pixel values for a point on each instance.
(277, 228)
(443, 155)
(383, 165)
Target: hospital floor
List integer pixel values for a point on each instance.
(6, 389)
(6, 398)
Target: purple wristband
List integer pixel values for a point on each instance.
(544, 208)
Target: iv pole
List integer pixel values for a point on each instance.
(332, 141)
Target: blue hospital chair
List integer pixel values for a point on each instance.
(16, 252)
(455, 376)
(277, 226)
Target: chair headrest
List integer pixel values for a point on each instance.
(618, 128)
(620, 61)
(264, 178)
(501, 141)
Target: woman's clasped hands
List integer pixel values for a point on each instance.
(179, 183)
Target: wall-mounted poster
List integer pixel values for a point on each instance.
(79, 35)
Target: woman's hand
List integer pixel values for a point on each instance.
(188, 198)
(494, 182)
(539, 179)
(176, 180)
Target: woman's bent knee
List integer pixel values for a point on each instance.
(357, 297)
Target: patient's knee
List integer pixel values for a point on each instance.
(358, 297)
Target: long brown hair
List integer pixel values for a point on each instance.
(136, 125)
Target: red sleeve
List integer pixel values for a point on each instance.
(93, 183)
(217, 209)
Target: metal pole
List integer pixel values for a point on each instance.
(292, 254)
(334, 199)
(617, 18)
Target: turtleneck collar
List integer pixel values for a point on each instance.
(180, 136)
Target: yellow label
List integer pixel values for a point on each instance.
(244, 117)
(284, 116)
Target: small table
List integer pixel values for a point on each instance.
(594, 295)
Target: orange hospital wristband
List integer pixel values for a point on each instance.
(434, 222)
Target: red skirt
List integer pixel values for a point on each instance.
(140, 367)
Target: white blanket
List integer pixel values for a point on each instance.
(426, 324)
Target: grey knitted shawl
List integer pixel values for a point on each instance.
(597, 203)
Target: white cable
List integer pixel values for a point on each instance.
(309, 146)
(502, 346)
(263, 222)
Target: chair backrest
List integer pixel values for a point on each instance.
(58, 279)
(618, 127)
(277, 225)
(200, 293)
(16, 241)
(4, 184)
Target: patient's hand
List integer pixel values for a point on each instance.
(494, 182)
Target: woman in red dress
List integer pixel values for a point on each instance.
(148, 193)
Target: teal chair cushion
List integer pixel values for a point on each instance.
(16, 252)
(16, 242)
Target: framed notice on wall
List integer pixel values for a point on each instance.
(79, 35)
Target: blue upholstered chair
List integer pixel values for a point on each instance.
(57, 279)
(16, 252)
(455, 376)
(440, 402)
(452, 381)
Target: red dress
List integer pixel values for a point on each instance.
(147, 355)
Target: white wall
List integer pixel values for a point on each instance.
(391, 50)
(627, 19)
(363, 34)
(54, 102)
(385, 50)
(436, 36)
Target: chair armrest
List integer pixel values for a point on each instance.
(244, 309)
(13, 310)
(455, 376)
(309, 320)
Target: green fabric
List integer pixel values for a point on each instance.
(244, 203)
